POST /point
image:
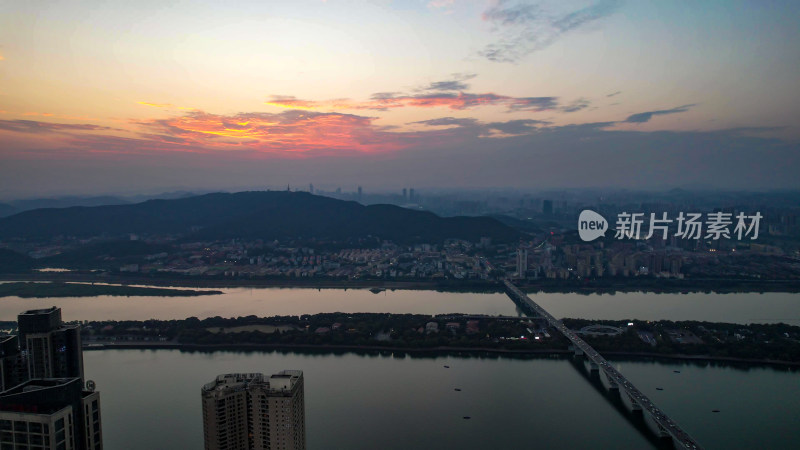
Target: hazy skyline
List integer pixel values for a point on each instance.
(110, 97)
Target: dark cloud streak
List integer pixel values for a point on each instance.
(524, 28)
(477, 128)
(575, 106)
(454, 84)
(37, 127)
(646, 116)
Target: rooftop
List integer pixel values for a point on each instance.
(32, 312)
(281, 381)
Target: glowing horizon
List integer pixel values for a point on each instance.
(113, 85)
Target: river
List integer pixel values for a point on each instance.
(151, 400)
(736, 308)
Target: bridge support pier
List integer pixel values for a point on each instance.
(612, 385)
(637, 408)
(594, 367)
(662, 432)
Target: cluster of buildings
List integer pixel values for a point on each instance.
(553, 250)
(455, 259)
(550, 255)
(44, 401)
(554, 259)
(46, 404)
(596, 261)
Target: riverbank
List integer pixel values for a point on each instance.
(445, 350)
(585, 286)
(61, 289)
(304, 283)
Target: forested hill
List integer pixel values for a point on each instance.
(264, 215)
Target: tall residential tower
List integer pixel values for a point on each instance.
(250, 411)
(51, 414)
(522, 262)
(44, 403)
(53, 348)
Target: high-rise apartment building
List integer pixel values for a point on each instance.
(547, 207)
(522, 262)
(50, 414)
(53, 348)
(250, 411)
(13, 367)
(43, 403)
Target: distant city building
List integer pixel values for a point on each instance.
(411, 195)
(522, 262)
(360, 191)
(129, 268)
(53, 349)
(250, 411)
(50, 414)
(547, 207)
(405, 194)
(310, 188)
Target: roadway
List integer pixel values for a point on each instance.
(666, 425)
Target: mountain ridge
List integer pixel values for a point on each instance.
(256, 215)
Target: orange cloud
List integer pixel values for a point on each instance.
(288, 134)
(156, 105)
(291, 132)
(391, 100)
(290, 102)
(35, 127)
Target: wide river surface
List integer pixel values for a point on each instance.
(234, 302)
(151, 398)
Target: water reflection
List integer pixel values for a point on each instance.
(392, 400)
(737, 308)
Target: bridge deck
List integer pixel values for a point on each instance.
(680, 437)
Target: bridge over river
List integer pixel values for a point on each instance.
(666, 426)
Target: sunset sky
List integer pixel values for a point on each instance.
(110, 97)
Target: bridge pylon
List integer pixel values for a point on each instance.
(635, 405)
(662, 432)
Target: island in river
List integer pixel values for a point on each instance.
(757, 343)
